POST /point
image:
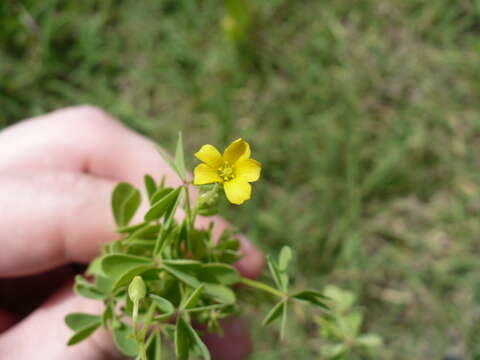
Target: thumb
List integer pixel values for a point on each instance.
(44, 335)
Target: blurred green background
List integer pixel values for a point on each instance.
(365, 115)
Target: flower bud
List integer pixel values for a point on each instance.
(137, 289)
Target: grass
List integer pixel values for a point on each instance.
(365, 115)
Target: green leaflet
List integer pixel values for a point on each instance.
(218, 273)
(187, 341)
(125, 202)
(86, 289)
(312, 297)
(123, 340)
(154, 349)
(184, 270)
(78, 321)
(162, 304)
(150, 186)
(180, 159)
(83, 325)
(274, 313)
(162, 206)
(123, 268)
(193, 299)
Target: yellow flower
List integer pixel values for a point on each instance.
(234, 169)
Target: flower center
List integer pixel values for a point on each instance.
(226, 172)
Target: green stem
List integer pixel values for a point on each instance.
(147, 322)
(135, 317)
(188, 207)
(261, 286)
(143, 332)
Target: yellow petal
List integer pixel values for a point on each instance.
(204, 174)
(248, 169)
(237, 150)
(237, 190)
(210, 156)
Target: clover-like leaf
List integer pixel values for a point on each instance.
(125, 202)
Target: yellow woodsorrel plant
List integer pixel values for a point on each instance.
(163, 275)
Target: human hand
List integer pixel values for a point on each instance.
(57, 173)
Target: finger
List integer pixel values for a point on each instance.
(83, 140)
(49, 219)
(44, 335)
(235, 344)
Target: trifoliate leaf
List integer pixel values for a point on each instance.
(274, 313)
(125, 202)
